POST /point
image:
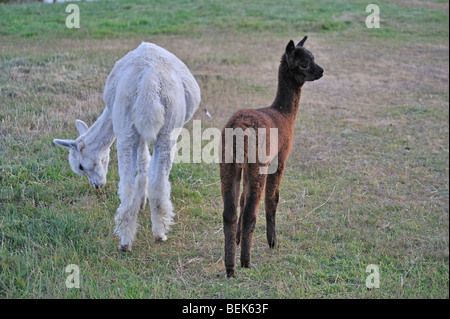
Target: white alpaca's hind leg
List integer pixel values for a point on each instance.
(143, 162)
(159, 189)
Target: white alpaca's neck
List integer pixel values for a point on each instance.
(100, 135)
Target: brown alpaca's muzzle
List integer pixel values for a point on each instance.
(318, 73)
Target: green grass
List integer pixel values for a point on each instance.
(118, 19)
(366, 182)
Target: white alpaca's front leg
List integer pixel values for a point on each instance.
(127, 212)
(159, 190)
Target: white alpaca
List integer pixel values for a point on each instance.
(149, 94)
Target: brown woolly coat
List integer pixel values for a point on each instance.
(296, 66)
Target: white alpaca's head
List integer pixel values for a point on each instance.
(86, 159)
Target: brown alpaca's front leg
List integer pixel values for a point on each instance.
(271, 202)
(254, 192)
(230, 177)
(271, 208)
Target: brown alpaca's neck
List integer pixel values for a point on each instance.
(288, 93)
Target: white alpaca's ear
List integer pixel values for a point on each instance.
(69, 144)
(81, 126)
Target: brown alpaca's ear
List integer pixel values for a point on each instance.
(290, 47)
(302, 41)
(290, 52)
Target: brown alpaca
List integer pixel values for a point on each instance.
(297, 66)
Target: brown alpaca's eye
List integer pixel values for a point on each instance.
(304, 65)
(81, 167)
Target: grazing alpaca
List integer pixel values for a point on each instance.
(297, 66)
(149, 94)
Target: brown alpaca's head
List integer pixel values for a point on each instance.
(301, 62)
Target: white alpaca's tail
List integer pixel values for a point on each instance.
(148, 117)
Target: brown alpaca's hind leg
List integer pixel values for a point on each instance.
(255, 182)
(242, 205)
(271, 202)
(230, 176)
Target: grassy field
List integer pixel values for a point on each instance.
(366, 183)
